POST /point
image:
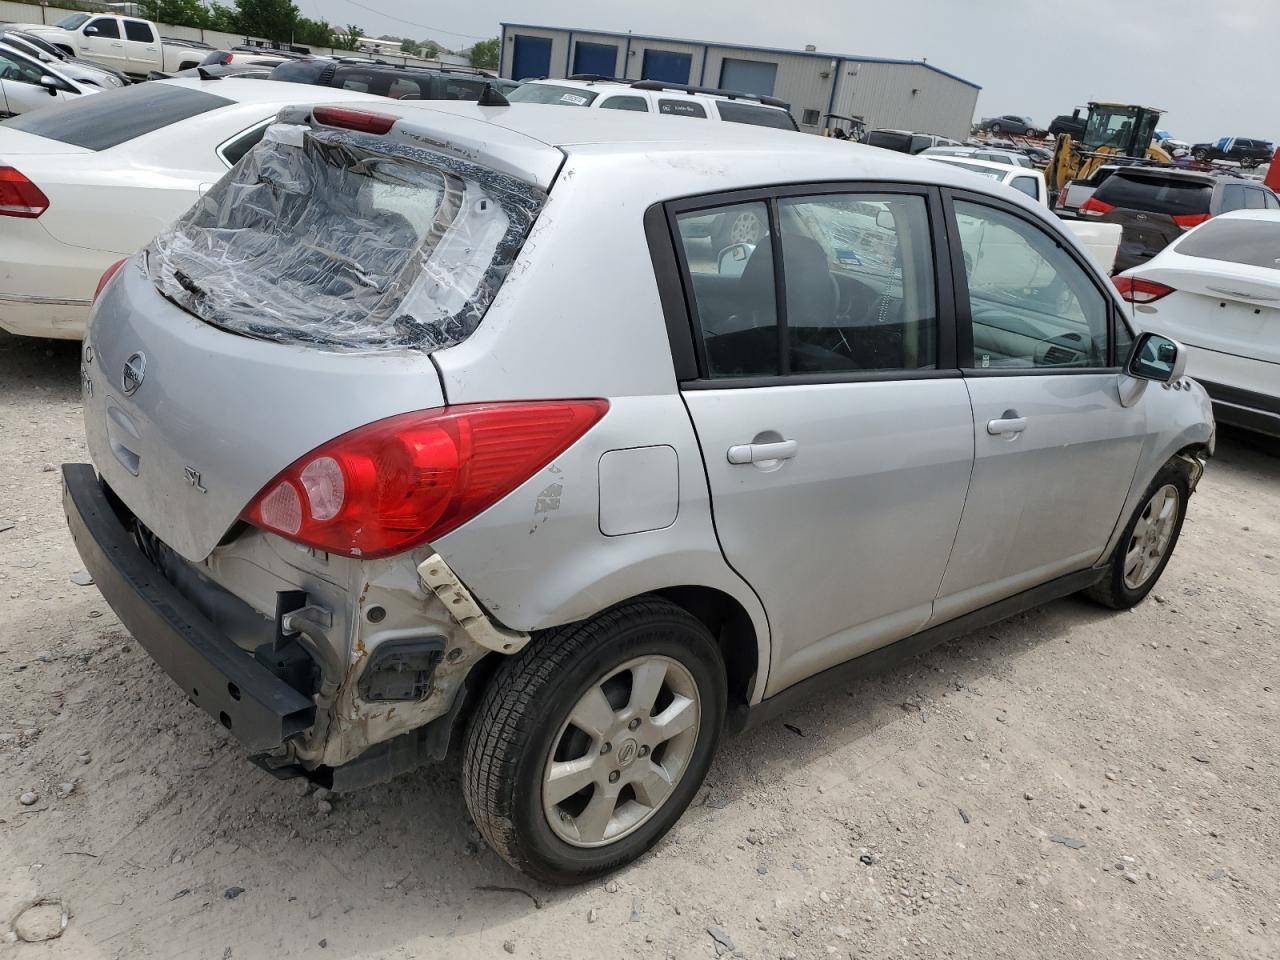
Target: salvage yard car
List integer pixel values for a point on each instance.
(411, 432)
(84, 184)
(128, 44)
(27, 83)
(1156, 205)
(1217, 289)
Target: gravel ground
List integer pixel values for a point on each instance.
(1071, 783)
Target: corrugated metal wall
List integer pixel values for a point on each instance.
(904, 95)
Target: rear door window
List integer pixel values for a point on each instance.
(403, 88)
(1233, 197)
(858, 282)
(1254, 199)
(757, 116)
(347, 241)
(681, 108)
(463, 89)
(1157, 194)
(138, 31)
(99, 123)
(638, 104)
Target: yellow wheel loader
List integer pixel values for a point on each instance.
(1111, 131)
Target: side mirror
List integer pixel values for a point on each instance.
(885, 220)
(90, 31)
(1157, 358)
(50, 84)
(733, 259)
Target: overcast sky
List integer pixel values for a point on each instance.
(1212, 64)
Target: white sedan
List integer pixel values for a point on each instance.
(1216, 289)
(27, 83)
(85, 184)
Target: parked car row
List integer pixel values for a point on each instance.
(1156, 205)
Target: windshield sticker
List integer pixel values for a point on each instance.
(573, 98)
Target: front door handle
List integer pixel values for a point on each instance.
(761, 452)
(1007, 426)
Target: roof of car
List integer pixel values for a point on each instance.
(243, 90)
(976, 162)
(702, 156)
(591, 82)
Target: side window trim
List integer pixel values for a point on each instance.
(680, 310)
(237, 137)
(964, 316)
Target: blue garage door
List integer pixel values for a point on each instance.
(531, 57)
(597, 58)
(665, 65)
(748, 76)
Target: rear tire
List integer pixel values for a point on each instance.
(1199, 155)
(573, 710)
(1147, 543)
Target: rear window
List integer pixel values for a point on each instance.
(348, 241)
(550, 93)
(1167, 195)
(1255, 243)
(889, 141)
(116, 116)
(758, 116)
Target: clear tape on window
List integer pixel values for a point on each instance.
(347, 241)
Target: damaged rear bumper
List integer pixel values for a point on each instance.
(258, 707)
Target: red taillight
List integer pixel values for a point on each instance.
(1190, 220)
(1095, 207)
(19, 197)
(1137, 290)
(397, 483)
(362, 120)
(107, 274)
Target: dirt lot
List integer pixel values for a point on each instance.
(1069, 784)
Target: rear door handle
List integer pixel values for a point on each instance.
(760, 452)
(1006, 425)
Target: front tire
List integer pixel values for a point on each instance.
(588, 745)
(1147, 543)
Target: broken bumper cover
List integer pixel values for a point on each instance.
(219, 677)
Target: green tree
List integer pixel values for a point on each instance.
(183, 13)
(313, 33)
(484, 55)
(351, 36)
(429, 49)
(270, 19)
(220, 17)
(410, 47)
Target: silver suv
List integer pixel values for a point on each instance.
(435, 426)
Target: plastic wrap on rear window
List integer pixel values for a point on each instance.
(346, 240)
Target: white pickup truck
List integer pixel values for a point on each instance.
(127, 44)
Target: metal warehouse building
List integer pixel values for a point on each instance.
(907, 94)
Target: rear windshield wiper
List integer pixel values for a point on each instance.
(189, 285)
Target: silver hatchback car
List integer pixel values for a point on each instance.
(446, 425)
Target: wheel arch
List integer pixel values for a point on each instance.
(729, 622)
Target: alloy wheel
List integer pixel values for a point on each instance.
(1151, 536)
(621, 752)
